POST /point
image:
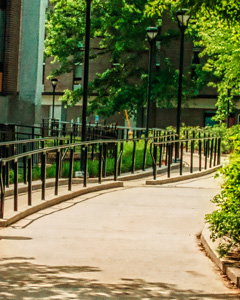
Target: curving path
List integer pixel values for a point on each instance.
(137, 242)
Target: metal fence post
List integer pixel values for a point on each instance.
(191, 160)
(169, 159)
(15, 167)
(144, 155)
(155, 162)
(43, 174)
(2, 193)
(58, 157)
(100, 164)
(30, 180)
(71, 169)
(120, 160)
(133, 156)
(85, 166)
(115, 161)
(181, 158)
(219, 151)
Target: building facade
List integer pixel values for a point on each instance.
(21, 56)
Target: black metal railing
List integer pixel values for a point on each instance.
(14, 132)
(95, 131)
(11, 148)
(207, 149)
(104, 154)
(101, 151)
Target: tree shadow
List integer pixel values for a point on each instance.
(24, 280)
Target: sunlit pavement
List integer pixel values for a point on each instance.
(137, 242)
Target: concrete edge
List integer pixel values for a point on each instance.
(143, 174)
(224, 264)
(183, 177)
(56, 200)
(36, 185)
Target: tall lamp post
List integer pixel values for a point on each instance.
(86, 69)
(183, 19)
(54, 84)
(151, 34)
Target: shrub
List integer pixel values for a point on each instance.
(224, 223)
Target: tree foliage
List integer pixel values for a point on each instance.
(228, 10)
(224, 223)
(220, 43)
(121, 24)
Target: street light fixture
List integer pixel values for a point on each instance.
(54, 84)
(183, 18)
(151, 34)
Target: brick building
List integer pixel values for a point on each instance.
(21, 56)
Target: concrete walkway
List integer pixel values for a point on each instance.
(136, 242)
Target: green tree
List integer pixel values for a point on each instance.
(220, 43)
(229, 10)
(121, 24)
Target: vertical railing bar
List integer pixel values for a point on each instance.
(205, 153)
(43, 175)
(215, 151)
(7, 168)
(115, 161)
(181, 159)
(2, 193)
(120, 160)
(24, 165)
(85, 167)
(211, 153)
(30, 180)
(58, 157)
(160, 155)
(100, 164)
(169, 159)
(70, 175)
(219, 151)
(200, 154)
(191, 160)
(155, 162)
(145, 155)
(133, 157)
(104, 160)
(15, 167)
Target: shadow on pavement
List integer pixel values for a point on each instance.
(25, 280)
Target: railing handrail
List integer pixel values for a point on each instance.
(184, 140)
(72, 145)
(31, 141)
(86, 143)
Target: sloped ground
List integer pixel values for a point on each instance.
(136, 242)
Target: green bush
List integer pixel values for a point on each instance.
(225, 221)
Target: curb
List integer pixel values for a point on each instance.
(226, 265)
(143, 174)
(183, 177)
(56, 200)
(36, 185)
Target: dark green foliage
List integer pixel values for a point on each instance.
(224, 223)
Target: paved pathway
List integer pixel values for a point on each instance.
(136, 242)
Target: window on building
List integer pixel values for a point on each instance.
(208, 121)
(77, 76)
